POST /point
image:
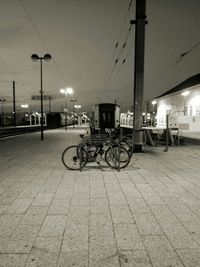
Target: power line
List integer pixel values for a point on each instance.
(40, 37)
(171, 65)
(118, 58)
(124, 22)
(114, 60)
(119, 69)
(188, 51)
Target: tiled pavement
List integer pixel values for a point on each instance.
(146, 215)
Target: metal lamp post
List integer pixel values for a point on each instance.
(2, 111)
(66, 91)
(78, 107)
(47, 58)
(73, 101)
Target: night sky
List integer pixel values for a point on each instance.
(81, 36)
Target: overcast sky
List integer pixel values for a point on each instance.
(81, 36)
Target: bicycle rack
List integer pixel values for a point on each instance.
(96, 140)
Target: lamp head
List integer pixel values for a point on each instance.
(77, 106)
(24, 105)
(47, 57)
(69, 91)
(185, 93)
(34, 57)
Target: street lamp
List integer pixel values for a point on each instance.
(2, 111)
(79, 118)
(185, 94)
(47, 58)
(24, 106)
(77, 106)
(66, 91)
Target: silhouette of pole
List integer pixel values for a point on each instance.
(14, 109)
(139, 72)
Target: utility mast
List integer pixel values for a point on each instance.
(139, 73)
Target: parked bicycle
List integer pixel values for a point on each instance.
(95, 148)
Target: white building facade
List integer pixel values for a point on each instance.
(182, 102)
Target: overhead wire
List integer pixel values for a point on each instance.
(121, 32)
(171, 65)
(40, 38)
(114, 59)
(120, 68)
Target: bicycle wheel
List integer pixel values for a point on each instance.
(127, 147)
(112, 154)
(71, 158)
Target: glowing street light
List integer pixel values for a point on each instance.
(24, 106)
(77, 106)
(66, 91)
(185, 93)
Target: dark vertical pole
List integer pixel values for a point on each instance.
(41, 95)
(139, 71)
(66, 111)
(14, 109)
(49, 104)
(167, 132)
(73, 115)
(2, 112)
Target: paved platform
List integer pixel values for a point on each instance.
(146, 215)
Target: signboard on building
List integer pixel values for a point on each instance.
(38, 97)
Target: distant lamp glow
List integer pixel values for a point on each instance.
(24, 105)
(154, 102)
(185, 93)
(67, 91)
(143, 114)
(70, 91)
(77, 106)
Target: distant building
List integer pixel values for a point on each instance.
(181, 100)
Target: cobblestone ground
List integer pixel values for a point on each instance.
(146, 215)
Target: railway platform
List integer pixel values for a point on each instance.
(147, 215)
